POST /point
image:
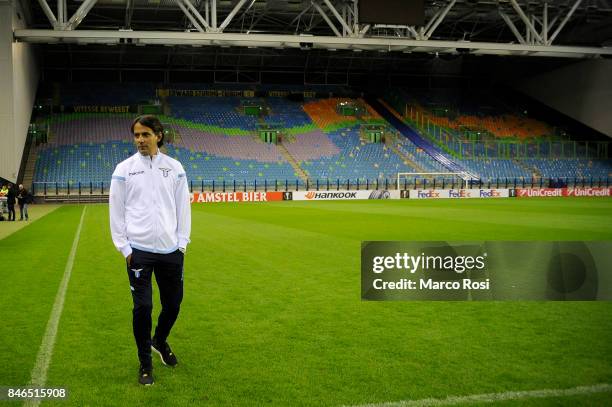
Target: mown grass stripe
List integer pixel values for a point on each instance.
(45, 352)
(496, 397)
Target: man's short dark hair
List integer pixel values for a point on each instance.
(151, 122)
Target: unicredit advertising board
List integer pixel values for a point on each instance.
(543, 192)
(343, 195)
(455, 193)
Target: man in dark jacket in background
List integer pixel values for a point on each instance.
(23, 199)
(10, 202)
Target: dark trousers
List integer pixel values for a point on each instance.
(23, 211)
(168, 270)
(11, 212)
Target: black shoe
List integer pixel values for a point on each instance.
(145, 376)
(167, 357)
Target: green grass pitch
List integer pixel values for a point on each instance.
(272, 312)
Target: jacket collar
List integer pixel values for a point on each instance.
(145, 158)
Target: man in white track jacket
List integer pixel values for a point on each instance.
(150, 221)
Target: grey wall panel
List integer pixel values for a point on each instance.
(582, 91)
(7, 141)
(25, 83)
(7, 155)
(18, 83)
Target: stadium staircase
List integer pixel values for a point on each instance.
(178, 137)
(57, 94)
(166, 109)
(531, 169)
(391, 142)
(298, 170)
(28, 174)
(394, 118)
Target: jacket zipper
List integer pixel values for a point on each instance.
(153, 186)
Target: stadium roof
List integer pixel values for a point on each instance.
(574, 28)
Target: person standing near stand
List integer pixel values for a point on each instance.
(10, 201)
(23, 199)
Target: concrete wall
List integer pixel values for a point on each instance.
(582, 91)
(19, 76)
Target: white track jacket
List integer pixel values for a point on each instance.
(149, 205)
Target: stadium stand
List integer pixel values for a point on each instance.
(217, 142)
(356, 160)
(490, 141)
(213, 111)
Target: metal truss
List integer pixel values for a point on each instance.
(544, 35)
(60, 22)
(332, 24)
(303, 42)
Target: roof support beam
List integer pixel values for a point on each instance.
(48, 12)
(327, 20)
(552, 23)
(231, 15)
(207, 11)
(293, 41)
(414, 32)
(189, 16)
(213, 14)
(80, 14)
(565, 20)
(433, 19)
(299, 16)
(439, 19)
(512, 27)
(402, 31)
(355, 18)
(129, 11)
(61, 12)
(254, 23)
(545, 23)
(531, 29)
(338, 17)
(344, 18)
(196, 14)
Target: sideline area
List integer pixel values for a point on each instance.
(35, 211)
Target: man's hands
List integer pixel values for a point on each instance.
(128, 259)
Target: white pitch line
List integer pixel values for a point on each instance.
(495, 397)
(43, 359)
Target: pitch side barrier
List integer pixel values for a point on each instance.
(565, 192)
(456, 193)
(505, 193)
(348, 195)
(213, 197)
(100, 189)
